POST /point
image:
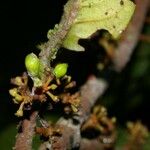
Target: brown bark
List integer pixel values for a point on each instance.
(24, 138)
(71, 138)
(131, 35)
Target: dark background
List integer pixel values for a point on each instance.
(24, 24)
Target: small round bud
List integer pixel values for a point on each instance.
(60, 70)
(13, 92)
(18, 98)
(19, 113)
(18, 81)
(32, 64)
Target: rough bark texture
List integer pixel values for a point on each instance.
(54, 43)
(24, 138)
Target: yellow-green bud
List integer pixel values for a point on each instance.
(19, 113)
(32, 64)
(18, 98)
(53, 86)
(60, 70)
(18, 81)
(13, 92)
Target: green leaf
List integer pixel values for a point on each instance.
(93, 15)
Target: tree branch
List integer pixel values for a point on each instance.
(95, 88)
(50, 48)
(70, 138)
(24, 138)
(131, 35)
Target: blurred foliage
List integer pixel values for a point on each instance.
(122, 140)
(7, 137)
(128, 95)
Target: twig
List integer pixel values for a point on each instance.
(131, 35)
(91, 91)
(24, 138)
(70, 138)
(94, 88)
(50, 48)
